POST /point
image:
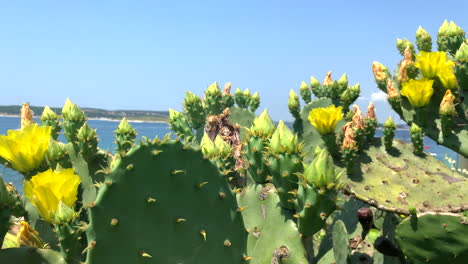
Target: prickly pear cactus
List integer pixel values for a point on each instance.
(395, 180)
(434, 238)
(429, 88)
(272, 234)
(164, 203)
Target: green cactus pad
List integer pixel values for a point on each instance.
(164, 203)
(27, 255)
(273, 234)
(434, 238)
(243, 117)
(340, 242)
(393, 181)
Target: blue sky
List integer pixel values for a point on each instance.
(146, 54)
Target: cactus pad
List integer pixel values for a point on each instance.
(393, 181)
(27, 255)
(434, 238)
(164, 203)
(273, 236)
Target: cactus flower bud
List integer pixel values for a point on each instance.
(423, 40)
(48, 114)
(343, 81)
(222, 148)
(390, 123)
(213, 90)
(328, 79)
(402, 44)
(391, 91)
(349, 141)
(263, 125)
(380, 71)
(238, 92)
(446, 106)
(64, 214)
(208, 147)
(254, 101)
(283, 140)
(174, 115)
(85, 133)
(247, 93)
(294, 104)
(227, 88)
(29, 237)
(125, 128)
(462, 53)
(321, 172)
(314, 83)
(443, 30)
(371, 111)
(71, 111)
(358, 121)
(26, 115)
(305, 92)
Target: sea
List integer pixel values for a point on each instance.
(105, 130)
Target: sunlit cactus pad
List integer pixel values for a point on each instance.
(164, 203)
(273, 235)
(396, 180)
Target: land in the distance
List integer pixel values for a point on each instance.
(96, 113)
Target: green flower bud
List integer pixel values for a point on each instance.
(343, 81)
(71, 111)
(321, 172)
(294, 104)
(64, 214)
(247, 93)
(263, 125)
(125, 128)
(390, 123)
(314, 83)
(462, 53)
(443, 30)
(454, 30)
(402, 44)
(415, 129)
(174, 115)
(222, 148)
(283, 140)
(238, 92)
(85, 133)
(213, 90)
(423, 40)
(305, 92)
(254, 102)
(208, 147)
(55, 151)
(48, 114)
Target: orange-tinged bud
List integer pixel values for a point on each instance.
(227, 88)
(349, 141)
(358, 121)
(328, 78)
(407, 61)
(391, 91)
(446, 106)
(370, 111)
(378, 70)
(26, 115)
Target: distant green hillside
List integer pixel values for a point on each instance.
(160, 116)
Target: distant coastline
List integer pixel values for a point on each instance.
(99, 119)
(97, 114)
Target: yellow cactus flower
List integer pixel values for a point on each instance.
(430, 63)
(446, 106)
(46, 189)
(325, 119)
(447, 78)
(26, 148)
(418, 92)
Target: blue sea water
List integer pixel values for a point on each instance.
(105, 131)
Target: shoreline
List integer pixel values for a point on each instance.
(99, 119)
